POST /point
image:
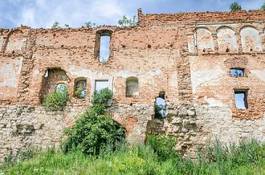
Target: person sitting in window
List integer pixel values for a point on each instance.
(160, 106)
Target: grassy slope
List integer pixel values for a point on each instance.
(134, 161)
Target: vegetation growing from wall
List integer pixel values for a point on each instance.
(127, 22)
(56, 25)
(90, 24)
(263, 6)
(78, 92)
(247, 158)
(235, 7)
(95, 131)
(56, 101)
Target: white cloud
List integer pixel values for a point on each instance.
(43, 13)
(28, 16)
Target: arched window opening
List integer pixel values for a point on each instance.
(103, 46)
(54, 80)
(80, 89)
(160, 106)
(132, 87)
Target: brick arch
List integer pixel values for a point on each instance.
(245, 26)
(203, 39)
(236, 62)
(226, 39)
(250, 39)
(50, 78)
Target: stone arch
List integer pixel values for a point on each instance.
(51, 78)
(132, 87)
(16, 41)
(226, 39)
(250, 39)
(204, 40)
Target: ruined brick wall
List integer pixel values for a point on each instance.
(187, 55)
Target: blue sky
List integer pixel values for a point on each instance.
(43, 13)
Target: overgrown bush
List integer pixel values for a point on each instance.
(102, 97)
(163, 145)
(55, 101)
(95, 130)
(78, 92)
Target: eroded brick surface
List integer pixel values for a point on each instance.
(187, 55)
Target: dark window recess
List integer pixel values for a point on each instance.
(241, 99)
(132, 87)
(80, 89)
(237, 72)
(160, 106)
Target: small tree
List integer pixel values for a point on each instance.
(55, 25)
(127, 22)
(263, 6)
(90, 24)
(235, 7)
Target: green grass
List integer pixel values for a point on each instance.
(245, 159)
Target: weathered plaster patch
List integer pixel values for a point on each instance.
(226, 39)
(260, 74)
(1, 42)
(250, 39)
(212, 102)
(204, 39)
(83, 72)
(202, 77)
(16, 44)
(9, 73)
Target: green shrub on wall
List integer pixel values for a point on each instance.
(102, 97)
(95, 131)
(78, 92)
(55, 101)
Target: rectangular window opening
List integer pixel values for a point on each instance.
(241, 99)
(237, 72)
(104, 48)
(101, 84)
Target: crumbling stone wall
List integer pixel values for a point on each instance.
(187, 55)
